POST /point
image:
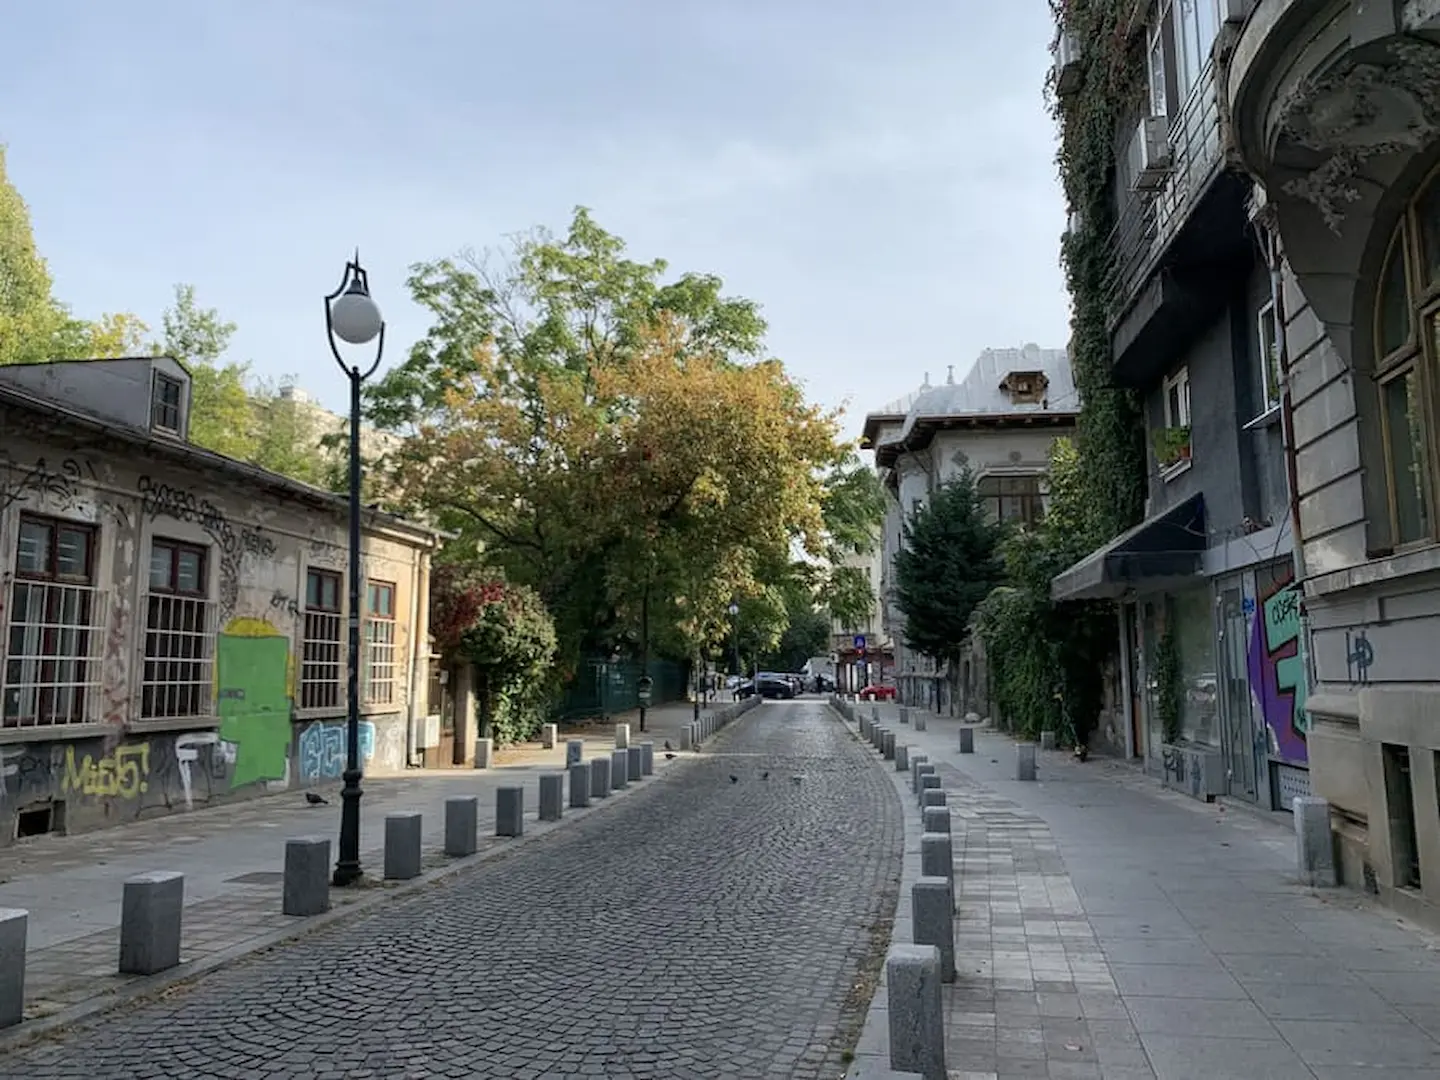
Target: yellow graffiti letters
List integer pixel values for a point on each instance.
(123, 773)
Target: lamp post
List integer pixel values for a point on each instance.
(354, 318)
(734, 610)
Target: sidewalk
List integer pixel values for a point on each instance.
(232, 857)
(1107, 929)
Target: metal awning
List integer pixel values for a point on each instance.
(1165, 550)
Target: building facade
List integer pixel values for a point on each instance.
(1336, 107)
(176, 621)
(863, 653)
(1001, 421)
(1210, 687)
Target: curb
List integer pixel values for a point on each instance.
(152, 986)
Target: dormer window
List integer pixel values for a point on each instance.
(167, 404)
(1025, 386)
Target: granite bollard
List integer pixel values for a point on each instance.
(552, 796)
(916, 760)
(967, 740)
(647, 759)
(904, 714)
(932, 911)
(1314, 844)
(305, 888)
(579, 786)
(887, 748)
(902, 759)
(921, 721)
(622, 736)
(687, 738)
(510, 811)
(402, 846)
(916, 1015)
(14, 926)
(619, 769)
(549, 735)
(875, 713)
(599, 777)
(150, 913)
(636, 758)
(928, 781)
(865, 727)
(462, 825)
(937, 855)
(1047, 740)
(936, 818)
(925, 769)
(484, 753)
(934, 796)
(1025, 761)
(574, 752)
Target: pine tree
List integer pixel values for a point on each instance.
(950, 561)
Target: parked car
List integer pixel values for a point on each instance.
(778, 687)
(876, 692)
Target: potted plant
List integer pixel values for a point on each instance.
(1172, 445)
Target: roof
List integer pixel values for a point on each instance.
(188, 454)
(978, 400)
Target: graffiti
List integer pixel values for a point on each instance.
(61, 488)
(164, 500)
(283, 601)
(1172, 764)
(1359, 656)
(1276, 667)
(322, 749)
(123, 773)
(187, 754)
(252, 672)
(25, 773)
(323, 553)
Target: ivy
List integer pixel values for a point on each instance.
(1167, 683)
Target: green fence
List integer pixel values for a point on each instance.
(602, 688)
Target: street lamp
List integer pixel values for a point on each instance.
(734, 610)
(354, 318)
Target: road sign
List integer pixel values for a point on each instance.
(859, 642)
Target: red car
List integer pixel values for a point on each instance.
(878, 693)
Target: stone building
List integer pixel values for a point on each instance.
(176, 621)
(1336, 111)
(1001, 420)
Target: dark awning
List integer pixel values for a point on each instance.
(1167, 549)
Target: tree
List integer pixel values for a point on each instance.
(222, 416)
(853, 508)
(290, 436)
(949, 563)
(605, 438)
(506, 636)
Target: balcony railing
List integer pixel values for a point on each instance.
(1149, 220)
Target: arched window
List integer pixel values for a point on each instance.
(1407, 348)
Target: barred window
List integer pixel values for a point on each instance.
(1012, 498)
(320, 666)
(380, 643)
(179, 658)
(54, 620)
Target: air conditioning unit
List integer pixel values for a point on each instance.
(1150, 154)
(1236, 11)
(1067, 64)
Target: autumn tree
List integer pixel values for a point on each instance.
(853, 508)
(608, 438)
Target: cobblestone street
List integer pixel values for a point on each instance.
(702, 928)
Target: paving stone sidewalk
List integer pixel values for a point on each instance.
(232, 858)
(1111, 930)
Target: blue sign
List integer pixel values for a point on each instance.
(1248, 605)
(859, 642)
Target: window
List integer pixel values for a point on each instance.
(380, 643)
(1156, 67)
(166, 400)
(1407, 367)
(1268, 350)
(1181, 36)
(178, 666)
(320, 651)
(1012, 498)
(1177, 399)
(54, 625)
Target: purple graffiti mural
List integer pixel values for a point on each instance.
(1277, 673)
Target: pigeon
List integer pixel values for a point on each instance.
(668, 746)
(316, 800)
(764, 776)
(734, 779)
(669, 757)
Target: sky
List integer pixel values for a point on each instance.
(879, 176)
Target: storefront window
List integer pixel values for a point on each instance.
(1194, 625)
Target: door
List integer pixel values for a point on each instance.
(1239, 738)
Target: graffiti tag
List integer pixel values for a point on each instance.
(61, 486)
(1172, 763)
(322, 749)
(123, 773)
(1359, 656)
(283, 601)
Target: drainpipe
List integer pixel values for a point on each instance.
(1287, 410)
(419, 655)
